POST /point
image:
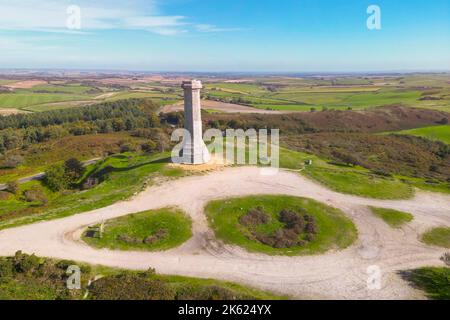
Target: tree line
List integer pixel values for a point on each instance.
(17, 131)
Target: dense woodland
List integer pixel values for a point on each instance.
(21, 130)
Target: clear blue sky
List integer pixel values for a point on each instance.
(231, 35)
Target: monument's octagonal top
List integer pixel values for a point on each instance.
(192, 84)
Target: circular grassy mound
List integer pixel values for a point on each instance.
(437, 237)
(149, 230)
(333, 229)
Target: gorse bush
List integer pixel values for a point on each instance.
(297, 229)
(29, 277)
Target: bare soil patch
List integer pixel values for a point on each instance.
(27, 84)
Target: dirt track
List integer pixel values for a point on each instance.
(337, 274)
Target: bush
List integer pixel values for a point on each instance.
(90, 183)
(446, 258)
(208, 293)
(126, 147)
(6, 268)
(64, 264)
(295, 224)
(254, 217)
(35, 195)
(74, 170)
(158, 236)
(381, 172)
(56, 179)
(4, 195)
(128, 239)
(149, 146)
(12, 187)
(131, 287)
(12, 161)
(346, 158)
(443, 121)
(24, 263)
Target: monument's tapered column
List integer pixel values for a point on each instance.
(194, 149)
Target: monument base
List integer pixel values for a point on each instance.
(193, 156)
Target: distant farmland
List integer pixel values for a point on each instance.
(430, 91)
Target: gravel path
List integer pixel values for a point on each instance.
(334, 275)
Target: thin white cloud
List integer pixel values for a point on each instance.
(213, 28)
(52, 16)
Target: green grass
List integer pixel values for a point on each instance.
(336, 231)
(65, 88)
(23, 100)
(437, 237)
(127, 175)
(351, 180)
(434, 281)
(394, 218)
(141, 225)
(360, 183)
(439, 133)
(298, 94)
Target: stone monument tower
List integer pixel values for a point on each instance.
(194, 149)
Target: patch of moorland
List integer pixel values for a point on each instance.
(38, 157)
(280, 225)
(152, 230)
(345, 178)
(417, 161)
(390, 118)
(112, 179)
(28, 277)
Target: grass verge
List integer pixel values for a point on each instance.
(335, 230)
(437, 237)
(120, 233)
(394, 218)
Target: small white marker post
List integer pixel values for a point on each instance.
(102, 225)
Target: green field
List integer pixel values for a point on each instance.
(24, 100)
(300, 94)
(438, 237)
(439, 133)
(335, 230)
(394, 218)
(273, 93)
(138, 226)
